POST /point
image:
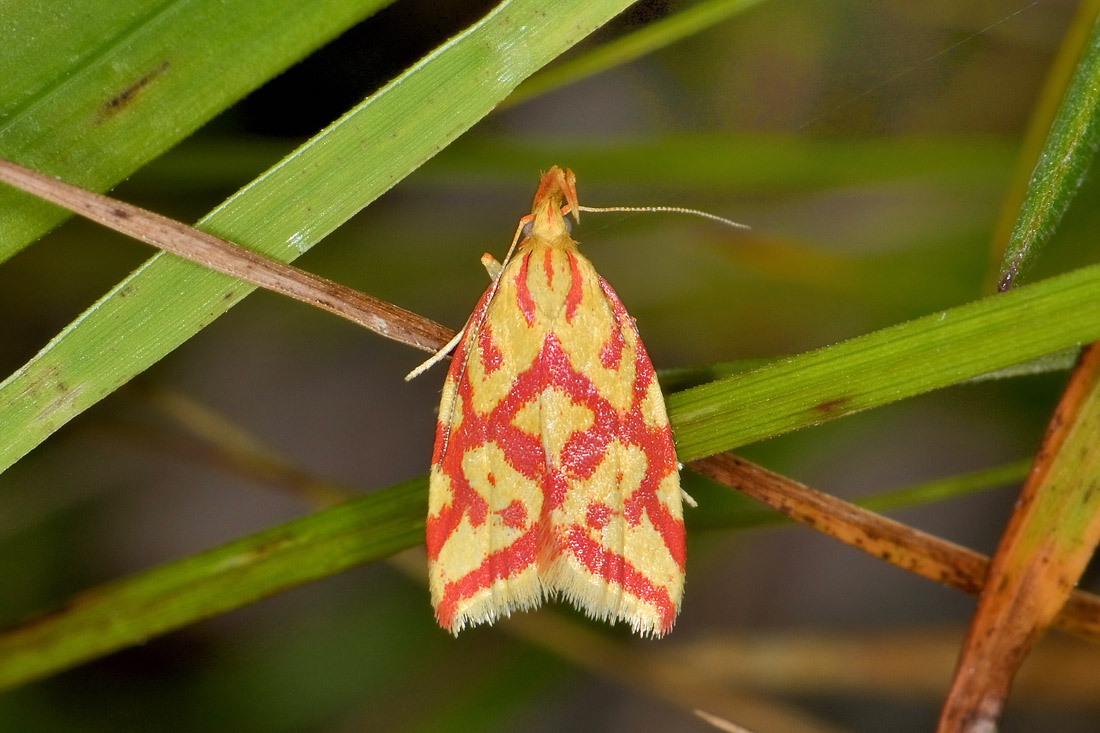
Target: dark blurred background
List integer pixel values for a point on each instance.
(868, 144)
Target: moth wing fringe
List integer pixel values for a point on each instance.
(581, 591)
(602, 604)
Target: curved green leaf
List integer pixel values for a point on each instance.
(740, 408)
(651, 37)
(287, 210)
(1070, 148)
(133, 609)
(90, 91)
(896, 362)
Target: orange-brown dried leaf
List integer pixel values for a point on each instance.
(1050, 537)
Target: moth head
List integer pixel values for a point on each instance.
(556, 197)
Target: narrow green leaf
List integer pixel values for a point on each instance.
(90, 91)
(764, 162)
(1067, 155)
(653, 36)
(913, 356)
(288, 210)
(133, 609)
(891, 364)
(688, 164)
(951, 487)
(1043, 111)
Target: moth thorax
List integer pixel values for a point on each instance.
(559, 241)
(549, 224)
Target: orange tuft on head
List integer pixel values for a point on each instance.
(558, 185)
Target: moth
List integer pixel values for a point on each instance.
(554, 472)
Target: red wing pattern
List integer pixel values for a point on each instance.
(554, 470)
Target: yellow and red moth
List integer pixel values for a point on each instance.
(554, 471)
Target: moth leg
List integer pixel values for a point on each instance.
(491, 266)
(688, 499)
(436, 357)
(683, 494)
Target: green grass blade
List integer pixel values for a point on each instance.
(650, 38)
(897, 362)
(891, 364)
(362, 530)
(91, 92)
(952, 487)
(133, 609)
(1043, 112)
(287, 210)
(764, 162)
(1062, 166)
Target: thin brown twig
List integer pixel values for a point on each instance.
(900, 545)
(231, 259)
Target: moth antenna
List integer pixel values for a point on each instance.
(669, 209)
(476, 327)
(494, 269)
(435, 358)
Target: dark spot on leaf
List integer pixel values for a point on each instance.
(123, 99)
(262, 550)
(833, 406)
(50, 375)
(45, 618)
